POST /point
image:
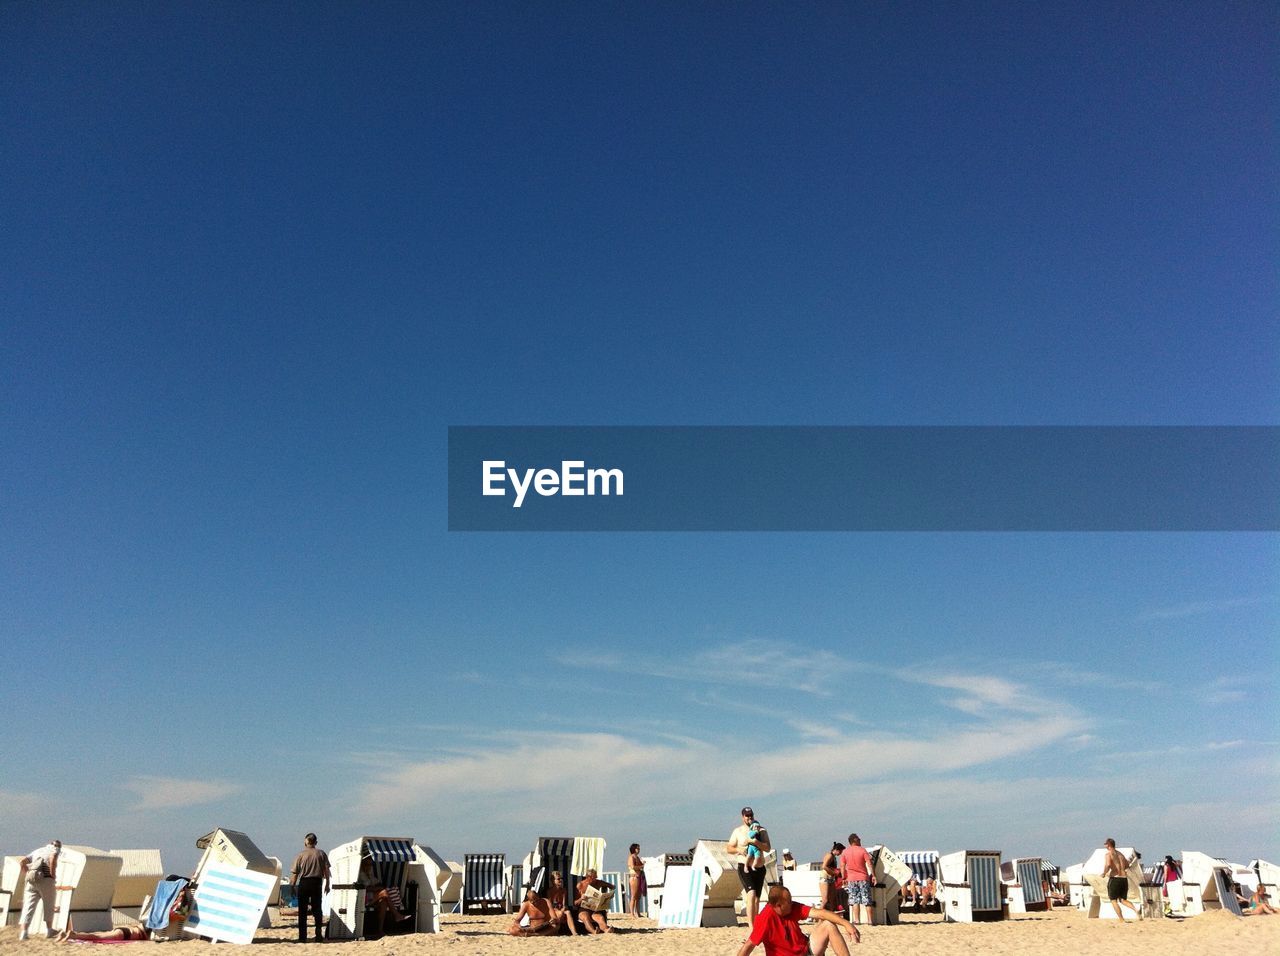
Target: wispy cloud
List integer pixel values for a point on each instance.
(163, 793)
(1196, 608)
(533, 773)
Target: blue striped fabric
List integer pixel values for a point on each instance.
(620, 889)
(556, 854)
(923, 863)
(229, 903)
(484, 880)
(984, 882)
(1153, 875)
(1030, 874)
(397, 849)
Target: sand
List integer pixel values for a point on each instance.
(1060, 932)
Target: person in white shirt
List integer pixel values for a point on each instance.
(40, 867)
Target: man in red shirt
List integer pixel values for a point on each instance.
(855, 862)
(778, 928)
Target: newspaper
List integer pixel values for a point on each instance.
(596, 898)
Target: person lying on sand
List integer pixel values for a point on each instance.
(121, 934)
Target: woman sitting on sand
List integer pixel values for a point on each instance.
(121, 934)
(541, 922)
(556, 897)
(1258, 904)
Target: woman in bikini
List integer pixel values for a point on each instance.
(541, 922)
(121, 934)
(635, 866)
(557, 898)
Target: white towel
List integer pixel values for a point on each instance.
(588, 854)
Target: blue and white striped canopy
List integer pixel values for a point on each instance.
(923, 863)
(389, 849)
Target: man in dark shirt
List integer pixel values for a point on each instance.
(310, 880)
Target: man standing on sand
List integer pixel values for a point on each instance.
(40, 867)
(778, 928)
(751, 878)
(310, 874)
(1116, 871)
(855, 862)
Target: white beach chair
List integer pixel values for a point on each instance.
(392, 859)
(431, 874)
(451, 888)
(139, 871)
(890, 875)
(720, 886)
(10, 891)
(971, 889)
(1097, 905)
(1212, 876)
(235, 850)
(656, 869)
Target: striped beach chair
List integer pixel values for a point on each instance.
(924, 866)
(389, 858)
(1024, 884)
(971, 887)
(484, 887)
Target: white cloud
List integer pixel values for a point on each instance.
(532, 774)
(1197, 608)
(163, 793)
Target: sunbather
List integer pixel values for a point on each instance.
(556, 897)
(121, 934)
(378, 898)
(593, 922)
(541, 922)
(1259, 904)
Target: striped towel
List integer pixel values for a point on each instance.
(588, 854)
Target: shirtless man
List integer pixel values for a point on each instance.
(1116, 870)
(592, 921)
(752, 880)
(541, 922)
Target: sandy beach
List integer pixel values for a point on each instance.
(1036, 934)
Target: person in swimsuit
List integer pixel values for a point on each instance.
(1116, 870)
(635, 868)
(122, 934)
(557, 897)
(541, 920)
(1258, 904)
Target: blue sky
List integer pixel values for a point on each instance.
(255, 261)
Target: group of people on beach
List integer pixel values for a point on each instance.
(846, 869)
